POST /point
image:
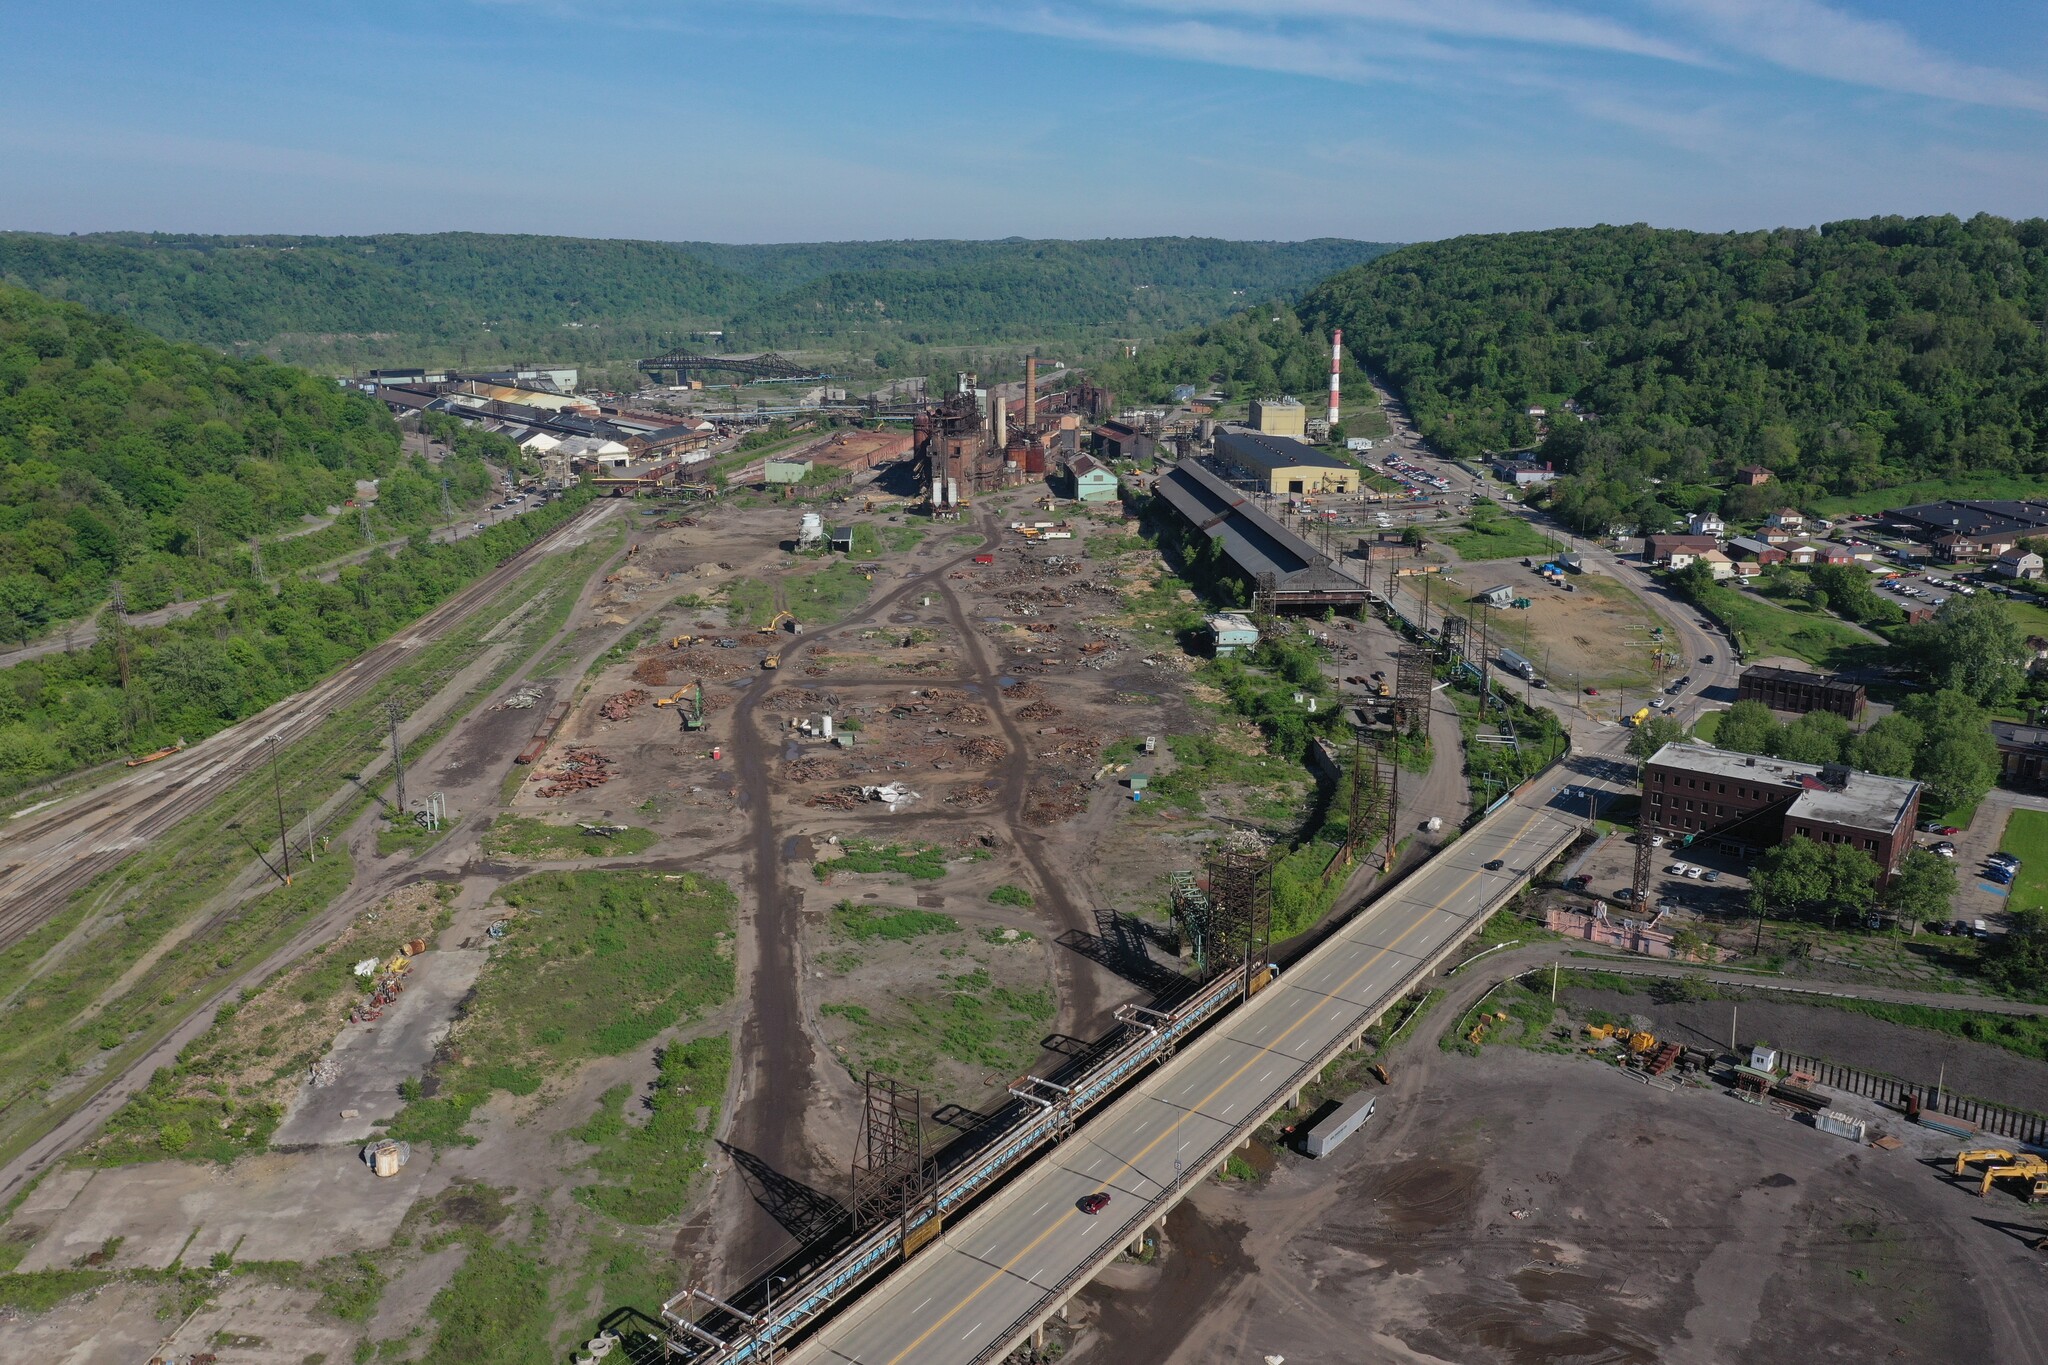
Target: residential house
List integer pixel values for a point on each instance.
(1743, 550)
(1717, 563)
(1751, 475)
(2017, 563)
(1786, 519)
(1659, 549)
(1706, 524)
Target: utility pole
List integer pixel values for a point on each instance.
(119, 623)
(394, 712)
(284, 839)
(447, 503)
(256, 559)
(363, 519)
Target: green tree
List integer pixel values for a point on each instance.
(1957, 760)
(1748, 727)
(1924, 890)
(1973, 646)
(2018, 959)
(1792, 878)
(1653, 734)
(1890, 748)
(1816, 737)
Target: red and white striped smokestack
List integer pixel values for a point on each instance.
(1336, 361)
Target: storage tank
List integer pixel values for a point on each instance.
(810, 530)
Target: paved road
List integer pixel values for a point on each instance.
(990, 1275)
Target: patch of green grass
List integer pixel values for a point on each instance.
(1766, 629)
(2026, 838)
(823, 597)
(749, 602)
(647, 1171)
(407, 836)
(520, 836)
(41, 1290)
(1528, 1011)
(851, 919)
(922, 862)
(968, 538)
(1707, 726)
(350, 1286)
(497, 1308)
(604, 963)
(1993, 486)
(1012, 895)
(1109, 547)
(966, 1019)
(902, 538)
(1500, 537)
(1414, 1016)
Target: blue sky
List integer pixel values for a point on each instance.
(771, 121)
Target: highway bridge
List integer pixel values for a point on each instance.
(995, 1277)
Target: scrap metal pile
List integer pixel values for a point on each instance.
(578, 769)
(622, 705)
(388, 986)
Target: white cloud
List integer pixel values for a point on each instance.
(1816, 40)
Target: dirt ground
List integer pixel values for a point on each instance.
(1597, 635)
(1540, 1209)
(1842, 1037)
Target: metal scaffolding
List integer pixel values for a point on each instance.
(1456, 630)
(1372, 797)
(890, 1179)
(1241, 901)
(1413, 678)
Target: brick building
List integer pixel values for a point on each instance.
(1743, 802)
(1789, 689)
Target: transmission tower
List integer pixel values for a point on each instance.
(284, 840)
(1456, 630)
(394, 712)
(1263, 603)
(447, 503)
(363, 519)
(118, 623)
(256, 559)
(889, 1175)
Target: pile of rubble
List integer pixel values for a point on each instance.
(1039, 710)
(982, 750)
(323, 1073)
(652, 671)
(1050, 805)
(623, 704)
(810, 770)
(577, 770)
(522, 699)
(972, 798)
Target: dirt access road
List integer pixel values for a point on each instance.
(53, 849)
(778, 1067)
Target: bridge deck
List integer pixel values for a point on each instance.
(979, 1289)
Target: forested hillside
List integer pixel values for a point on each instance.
(490, 299)
(1262, 351)
(1852, 357)
(123, 456)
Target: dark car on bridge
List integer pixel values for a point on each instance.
(1094, 1203)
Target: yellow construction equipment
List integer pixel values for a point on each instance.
(1642, 1041)
(679, 641)
(2027, 1167)
(1600, 1033)
(1975, 1155)
(781, 618)
(772, 661)
(672, 698)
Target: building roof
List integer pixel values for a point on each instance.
(1772, 673)
(2012, 735)
(1499, 589)
(2018, 557)
(1755, 547)
(1255, 542)
(1257, 450)
(1964, 517)
(1831, 794)
(1082, 465)
(1678, 540)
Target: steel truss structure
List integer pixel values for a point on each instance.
(766, 365)
(890, 1179)
(1414, 677)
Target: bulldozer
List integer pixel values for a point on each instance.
(772, 661)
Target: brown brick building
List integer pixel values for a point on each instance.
(1744, 802)
(1789, 689)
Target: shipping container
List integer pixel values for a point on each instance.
(1348, 1119)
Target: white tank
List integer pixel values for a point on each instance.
(811, 529)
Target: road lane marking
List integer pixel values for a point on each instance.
(1367, 966)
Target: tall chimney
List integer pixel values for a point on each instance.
(1031, 391)
(1336, 362)
(999, 416)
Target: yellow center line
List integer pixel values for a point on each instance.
(1221, 1086)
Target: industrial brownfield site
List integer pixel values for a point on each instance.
(767, 924)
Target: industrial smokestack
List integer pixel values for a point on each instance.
(999, 416)
(1031, 391)
(1336, 363)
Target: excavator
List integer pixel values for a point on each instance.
(2004, 1165)
(679, 641)
(785, 617)
(672, 698)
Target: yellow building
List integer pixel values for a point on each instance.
(1283, 465)
(1279, 417)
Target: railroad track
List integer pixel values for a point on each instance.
(46, 856)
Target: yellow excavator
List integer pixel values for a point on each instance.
(1975, 1155)
(679, 641)
(785, 618)
(2026, 1166)
(672, 698)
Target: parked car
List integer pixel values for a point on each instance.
(2002, 860)
(2002, 875)
(1592, 691)
(1930, 826)
(1945, 849)
(1093, 1203)
(1710, 876)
